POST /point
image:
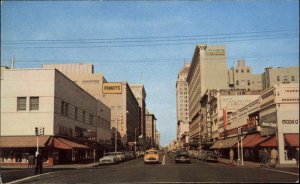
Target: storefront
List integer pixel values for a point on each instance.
(16, 150)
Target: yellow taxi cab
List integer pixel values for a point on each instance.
(151, 156)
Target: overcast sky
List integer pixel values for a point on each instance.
(149, 41)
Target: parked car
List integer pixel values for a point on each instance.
(206, 155)
(151, 156)
(182, 156)
(108, 158)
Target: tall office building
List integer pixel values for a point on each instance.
(208, 70)
(182, 104)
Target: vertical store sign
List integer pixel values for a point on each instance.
(208, 122)
(225, 119)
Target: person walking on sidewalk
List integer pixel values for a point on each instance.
(30, 161)
(264, 157)
(39, 164)
(274, 156)
(231, 156)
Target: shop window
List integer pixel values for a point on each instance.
(21, 103)
(34, 103)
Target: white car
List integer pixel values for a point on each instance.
(109, 158)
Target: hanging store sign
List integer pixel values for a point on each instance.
(208, 122)
(112, 88)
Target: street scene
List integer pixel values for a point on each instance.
(135, 171)
(149, 91)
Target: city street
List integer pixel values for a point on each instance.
(136, 171)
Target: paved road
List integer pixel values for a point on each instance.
(135, 171)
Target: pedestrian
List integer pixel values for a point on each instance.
(297, 157)
(264, 157)
(231, 155)
(30, 161)
(39, 164)
(274, 156)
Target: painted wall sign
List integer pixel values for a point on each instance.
(112, 88)
(236, 102)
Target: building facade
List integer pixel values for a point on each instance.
(140, 94)
(182, 105)
(47, 99)
(150, 129)
(208, 70)
(272, 76)
(241, 77)
(116, 95)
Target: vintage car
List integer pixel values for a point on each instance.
(206, 155)
(182, 156)
(108, 158)
(151, 156)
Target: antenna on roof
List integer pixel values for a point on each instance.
(12, 63)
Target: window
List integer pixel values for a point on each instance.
(67, 109)
(62, 109)
(236, 71)
(278, 78)
(34, 103)
(83, 116)
(76, 113)
(285, 78)
(91, 119)
(237, 82)
(248, 70)
(249, 83)
(242, 70)
(292, 78)
(21, 103)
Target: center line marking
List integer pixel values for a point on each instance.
(163, 161)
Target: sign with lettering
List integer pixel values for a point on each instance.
(290, 121)
(208, 122)
(112, 88)
(230, 102)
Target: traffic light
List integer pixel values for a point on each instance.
(36, 131)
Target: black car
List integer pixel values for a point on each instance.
(182, 156)
(206, 155)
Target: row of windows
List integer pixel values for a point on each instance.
(290, 99)
(33, 103)
(243, 82)
(292, 91)
(285, 78)
(242, 71)
(65, 111)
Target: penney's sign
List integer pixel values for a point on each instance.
(112, 88)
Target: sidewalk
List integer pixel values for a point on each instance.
(254, 164)
(61, 166)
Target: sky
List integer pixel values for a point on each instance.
(149, 41)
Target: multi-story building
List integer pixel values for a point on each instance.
(150, 128)
(71, 119)
(116, 95)
(182, 104)
(241, 77)
(140, 94)
(208, 70)
(279, 75)
(271, 121)
(157, 138)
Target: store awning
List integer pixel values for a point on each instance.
(61, 143)
(22, 141)
(230, 142)
(253, 140)
(292, 140)
(272, 142)
(217, 144)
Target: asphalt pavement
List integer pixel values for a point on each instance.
(167, 171)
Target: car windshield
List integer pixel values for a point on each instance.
(151, 152)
